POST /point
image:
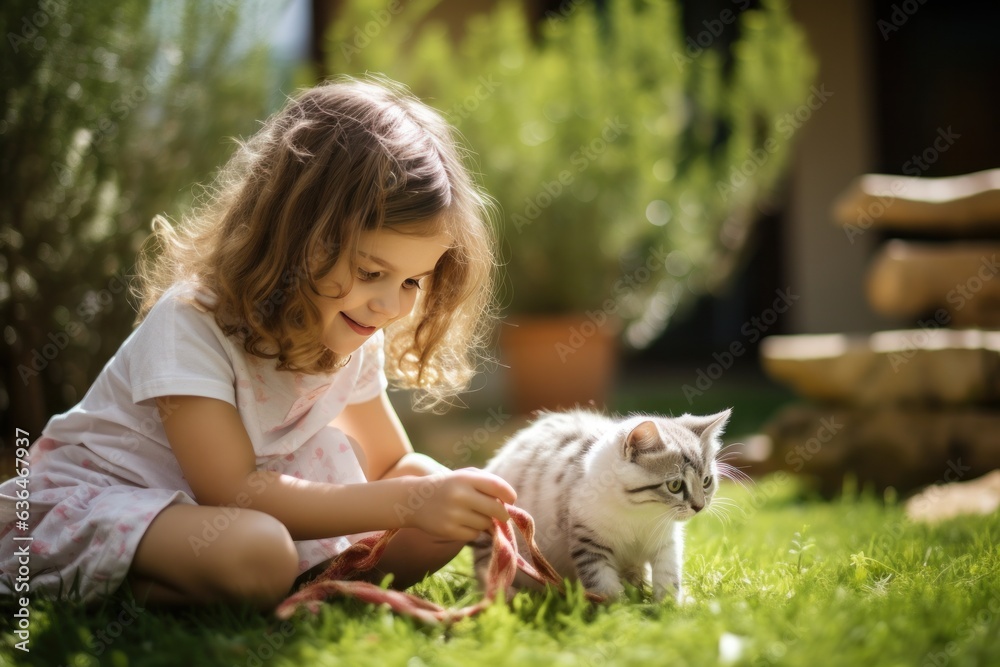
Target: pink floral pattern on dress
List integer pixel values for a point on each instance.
(45, 444)
(300, 408)
(259, 393)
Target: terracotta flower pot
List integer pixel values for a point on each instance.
(560, 361)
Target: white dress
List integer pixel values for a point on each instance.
(101, 472)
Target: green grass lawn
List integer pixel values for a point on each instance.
(785, 581)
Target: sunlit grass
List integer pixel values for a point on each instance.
(780, 580)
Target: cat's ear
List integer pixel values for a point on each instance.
(707, 428)
(641, 438)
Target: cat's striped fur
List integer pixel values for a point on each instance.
(609, 495)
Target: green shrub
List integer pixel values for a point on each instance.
(112, 111)
(643, 129)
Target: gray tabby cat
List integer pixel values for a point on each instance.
(609, 496)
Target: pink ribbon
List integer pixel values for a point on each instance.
(505, 561)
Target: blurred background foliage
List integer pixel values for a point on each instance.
(112, 110)
(606, 138)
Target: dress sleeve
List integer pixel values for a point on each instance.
(371, 378)
(178, 350)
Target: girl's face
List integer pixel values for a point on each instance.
(391, 270)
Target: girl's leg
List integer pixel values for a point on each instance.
(252, 559)
(411, 555)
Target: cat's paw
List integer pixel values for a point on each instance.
(611, 592)
(671, 590)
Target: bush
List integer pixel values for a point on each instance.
(113, 109)
(611, 143)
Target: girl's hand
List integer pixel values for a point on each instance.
(458, 505)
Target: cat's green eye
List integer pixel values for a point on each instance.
(707, 482)
(675, 486)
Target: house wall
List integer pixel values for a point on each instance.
(832, 148)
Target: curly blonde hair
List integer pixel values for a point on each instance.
(344, 157)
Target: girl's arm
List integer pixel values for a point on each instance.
(217, 458)
(376, 427)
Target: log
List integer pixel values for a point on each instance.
(957, 282)
(897, 447)
(913, 367)
(954, 205)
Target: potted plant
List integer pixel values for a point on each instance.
(628, 163)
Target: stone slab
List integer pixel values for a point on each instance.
(947, 501)
(894, 447)
(956, 282)
(955, 205)
(927, 366)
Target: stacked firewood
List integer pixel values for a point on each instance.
(915, 406)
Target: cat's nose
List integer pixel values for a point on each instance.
(696, 507)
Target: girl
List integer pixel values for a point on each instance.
(241, 437)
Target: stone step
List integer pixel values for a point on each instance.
(898, 447)
(946, 501)
(918, 366)
(956, 282)
(958, 205)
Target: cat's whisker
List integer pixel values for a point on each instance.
(738, 471)
(726, 462)
(722, 501)
(733, 473)
(656, 535)
(727, 457)
(663, 523)
(743, 485)
(652, 537)
(720, 513)
(723, 450)
(724, 456)
(727, 504)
